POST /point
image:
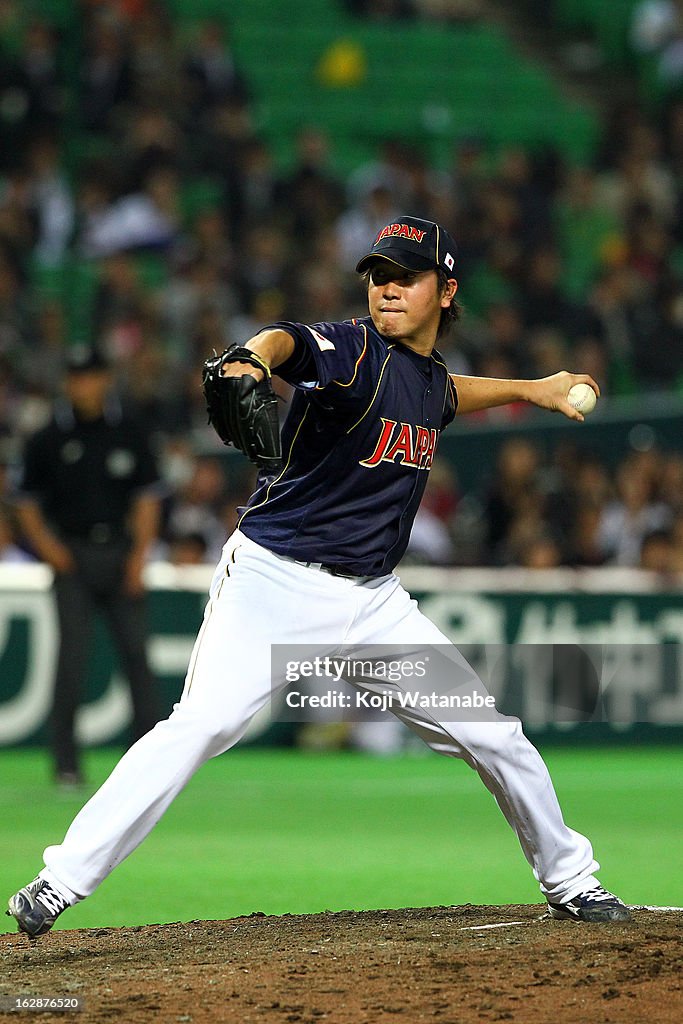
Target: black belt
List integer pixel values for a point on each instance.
(334, 570)
(98, 533)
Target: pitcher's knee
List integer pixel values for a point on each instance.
(211, 732)
(486, 739)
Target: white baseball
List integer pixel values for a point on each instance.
(582, 397)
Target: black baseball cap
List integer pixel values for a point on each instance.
(414, 244)
(85, 358)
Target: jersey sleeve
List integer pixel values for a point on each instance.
(325, 355)
(146, 477)
(30, 475)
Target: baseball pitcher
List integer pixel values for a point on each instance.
(312, 562)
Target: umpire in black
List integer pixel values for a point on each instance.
(89, 504)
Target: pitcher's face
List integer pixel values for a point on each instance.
(405, 305)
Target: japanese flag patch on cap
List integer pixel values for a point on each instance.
(414, 244)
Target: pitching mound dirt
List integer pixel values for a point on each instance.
(447, 964)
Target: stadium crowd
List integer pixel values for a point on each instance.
(169, 230)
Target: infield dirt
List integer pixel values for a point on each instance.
(437, 964)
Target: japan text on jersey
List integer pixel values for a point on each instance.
(358, 442)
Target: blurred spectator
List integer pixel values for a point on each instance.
(543, 301)
(149, 219)
(310, 198)
(639, 177)
(514, 490)
(220, 140)
(39, 74)
(187, 549)
(657, 552)
(671, 482)
(585, 547)
(51, 201)
(657, 30)
(198, 507)
(17, 224)
(16, 320)
(10, 551)
(210, 73)
(541, 551)
(430, 541)
(498, 215)
(468, 170)
(591, 355)
(41, 364)
(254, 189)
(320, 294)
(547, 352)
(106, 75)
(635, 513)
(504, 337)
(152, 139)
(649, 244)
(199, 289)
(267, 306)
(585, 229)
(264, 262)
(590, 482)
(677, 543)
(617, 299)
(387, 170)
(31, 90)
(672, 142)
(152, 383)
(657, 338)
(210, 333)
(533, 190)
(654, 24)
(363, 220)
(210, 241)
(118, 305)
(155, 59)
(427, 189)
(526, 529)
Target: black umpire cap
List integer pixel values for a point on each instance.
(413, 244)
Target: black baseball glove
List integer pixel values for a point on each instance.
(242, 410)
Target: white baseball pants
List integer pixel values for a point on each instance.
(257, 599)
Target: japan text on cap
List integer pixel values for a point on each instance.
(413, 244)
(82, 358)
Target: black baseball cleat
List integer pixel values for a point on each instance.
(36, 907)
(594, 905)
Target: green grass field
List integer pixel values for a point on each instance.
(280, 831)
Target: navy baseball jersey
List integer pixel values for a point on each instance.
(357, 444)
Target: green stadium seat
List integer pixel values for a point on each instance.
(200, 194)
(152, 268)
(46, 281)
(472, 76)
(608, 22)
